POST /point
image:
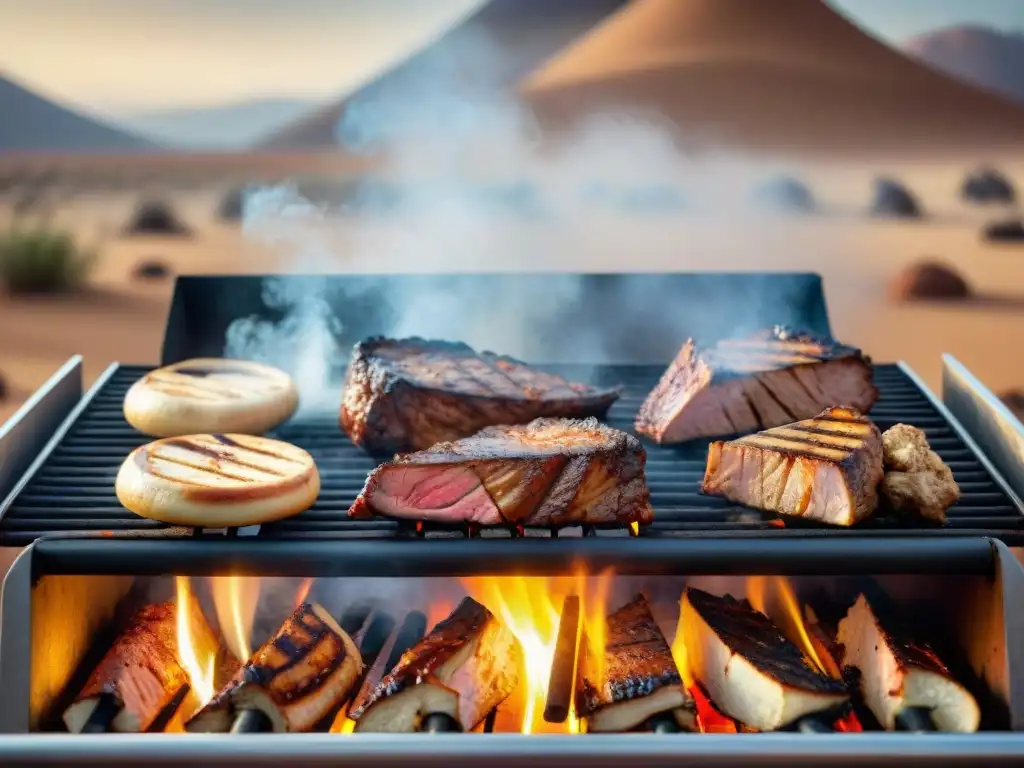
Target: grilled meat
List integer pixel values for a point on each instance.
(897, 673)
(465, 667)
(297, 677)
(748, 667)
(550, 472)
(640, 677)
(742, 385)
(141, 670)
(916, 479)
(826, 468)
(408, 394)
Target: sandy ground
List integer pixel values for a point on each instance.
(119, 319)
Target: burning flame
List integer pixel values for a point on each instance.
(235, 599)
(303, 593)
(199, 663)
(531, 608)
(780, 604)
(709, 719)
(634, 529)
(343, 723)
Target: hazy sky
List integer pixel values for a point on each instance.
(115, 55)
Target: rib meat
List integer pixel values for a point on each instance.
(826, 468)
(637, 677)
(748, 667)
(550, 472)
(742, 385)
(465, 667)
(408, 394)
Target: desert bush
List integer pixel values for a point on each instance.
(987, 185)
(784, 193)
(42, 261)
(893, 199)
(1009, 231)
(928, 280)
(155, 217)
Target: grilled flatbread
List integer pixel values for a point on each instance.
(210, 395)
(217, 481)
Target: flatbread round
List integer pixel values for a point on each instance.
(217, 481)
(210, 395)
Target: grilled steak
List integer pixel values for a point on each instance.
(299, 675)
(465, 667)
(141, 670)
(635, 679)
(408, 394)
(826, 468)
(898, 673)
(742, 385)
(550, 472)
(748, 667)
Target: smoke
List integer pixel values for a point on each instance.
(466, 185)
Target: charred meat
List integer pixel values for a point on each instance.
(748, 667)
(408, 394)
(141, 670)
(550, 472)
(897, 672)
(826, 468)
(465, 667)
(637, 677)
(916, 479)
(741, 385)
(299, 675)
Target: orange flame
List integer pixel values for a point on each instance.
(781, 605)
(634, 529)
(709, 719)
(303, 593)
(531, 608)
(234, 600)
(197, 655)
(343, 723)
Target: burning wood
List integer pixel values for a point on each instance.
(463, 669)
(294, 680)
(899, 674)
(639, 679)
(750, 670)
(141, 673)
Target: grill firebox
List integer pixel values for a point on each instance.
(962, 590)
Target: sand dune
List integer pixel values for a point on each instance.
(786, 75)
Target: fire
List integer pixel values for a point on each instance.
(784, 609)
(303, 593)
(198, 662)
(531, 608)
(634, 529)
(343, 723)
(709, 719)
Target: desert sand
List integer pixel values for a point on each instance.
(121, 319)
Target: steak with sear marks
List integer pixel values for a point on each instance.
(550, 472)
(742, 385)
(409, 394)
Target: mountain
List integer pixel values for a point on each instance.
(984, 57)
(783, 76)
(491, 50)
(28, 123)
(223, 127)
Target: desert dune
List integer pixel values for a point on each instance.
(789, 76)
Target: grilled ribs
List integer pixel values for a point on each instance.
(550, 472)
(826, 468)
(408, 394)
(741, 385)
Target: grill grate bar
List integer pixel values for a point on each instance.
(72, 492)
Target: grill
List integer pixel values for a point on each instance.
(72, 490)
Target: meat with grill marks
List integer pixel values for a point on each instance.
(741, 385)
(635, 679)
(409, 394)
(468, 664)
(550, 472)
(826, 468)
(296, 678)
(898, 672)
(750, 670)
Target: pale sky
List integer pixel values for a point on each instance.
(119, 55)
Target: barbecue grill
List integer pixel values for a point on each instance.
(85, 554)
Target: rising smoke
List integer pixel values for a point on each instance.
(466, 186)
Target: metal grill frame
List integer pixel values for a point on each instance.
(383, 530)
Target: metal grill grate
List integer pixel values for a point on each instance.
(71, 491)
